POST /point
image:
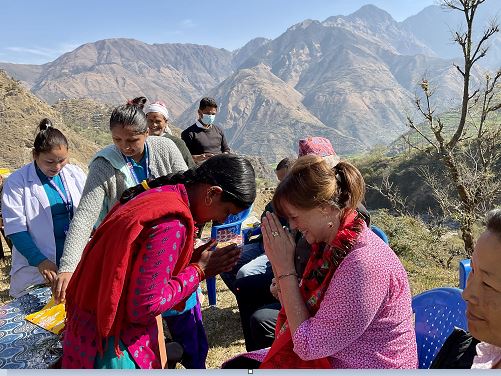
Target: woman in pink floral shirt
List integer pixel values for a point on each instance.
(352, 306)
(140, 263)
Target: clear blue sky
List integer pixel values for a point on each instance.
(38, 31)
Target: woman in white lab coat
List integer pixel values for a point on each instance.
(38, 203)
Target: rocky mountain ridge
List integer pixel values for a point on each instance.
(350, 78)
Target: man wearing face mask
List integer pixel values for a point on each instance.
(204, 139)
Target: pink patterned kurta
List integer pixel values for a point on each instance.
(152, 290)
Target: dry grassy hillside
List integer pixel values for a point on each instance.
(89, 118)
(20, 113)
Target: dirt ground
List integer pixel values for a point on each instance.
(222, 325)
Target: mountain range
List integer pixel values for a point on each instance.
(349, 78)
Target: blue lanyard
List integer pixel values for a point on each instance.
(129, 160)
(68, 202)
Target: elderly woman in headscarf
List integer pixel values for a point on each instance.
(157, 117)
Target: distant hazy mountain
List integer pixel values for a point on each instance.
(247, 51)
(434, 26)
(378, 26)
(24, 72)
(352, 81)
(114, 70)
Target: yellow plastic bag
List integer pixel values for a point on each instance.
(51, 317)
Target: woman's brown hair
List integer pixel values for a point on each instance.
(312, 183)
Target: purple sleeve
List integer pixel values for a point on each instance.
(352, 300)
(153, 289)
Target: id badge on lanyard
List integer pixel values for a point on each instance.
(128, 161)
(66, 197)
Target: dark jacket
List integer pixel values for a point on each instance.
(208, 140)
(183, 149)
(458, 351)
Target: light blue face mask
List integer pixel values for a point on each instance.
(208, 119)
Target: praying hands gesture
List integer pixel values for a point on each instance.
(279, 245)
(212, 262)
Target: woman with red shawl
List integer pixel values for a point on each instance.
(140, 262)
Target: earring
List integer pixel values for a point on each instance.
(330, 224)
(208, 200)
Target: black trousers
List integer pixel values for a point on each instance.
(253, 293)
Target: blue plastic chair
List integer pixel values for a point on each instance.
(376, 230)
(232, 226)
(437, 312)
(464, 271)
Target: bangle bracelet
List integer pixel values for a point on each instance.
(200, 272)
(286, 275)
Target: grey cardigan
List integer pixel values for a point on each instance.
(108, 178)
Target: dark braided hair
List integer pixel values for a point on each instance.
(233, 173)
(343, 193)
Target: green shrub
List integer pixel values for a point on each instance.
(413, 241)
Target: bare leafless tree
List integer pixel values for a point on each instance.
(390, 191)
(469, 151)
